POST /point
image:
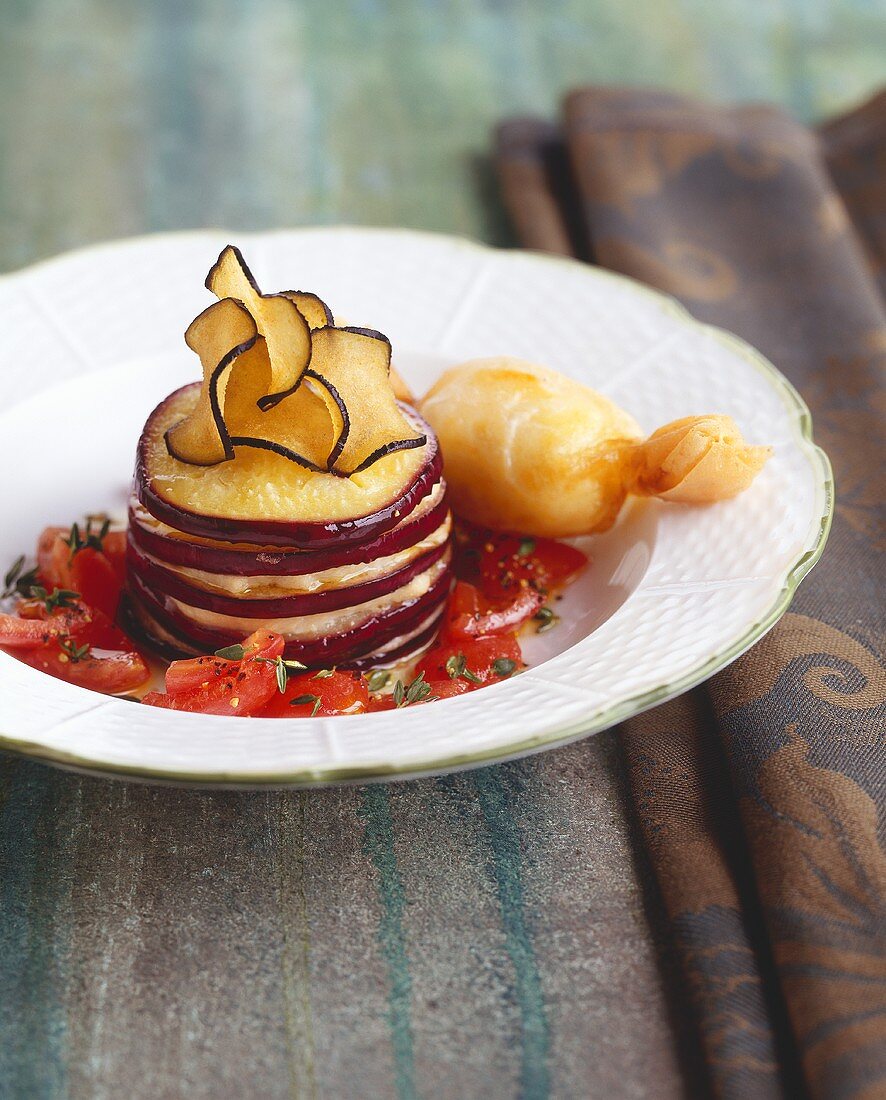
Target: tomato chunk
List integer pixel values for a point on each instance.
(197, 672)
(472, 615)
(466, 661)
(338, 693)
(100, 670)
(215, 685)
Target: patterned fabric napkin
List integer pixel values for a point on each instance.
(760, 798)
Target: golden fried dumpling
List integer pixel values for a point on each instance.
(527, 449)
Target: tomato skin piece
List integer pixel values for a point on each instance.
(110, 672)
(480, 654)
(93, 576)
(340, 693)
(191, 673)
(471, 615)
(17, 633)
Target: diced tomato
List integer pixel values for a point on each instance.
(472, 615)
(379, 702)
(196, 672)
(504, 580)
(219, 686)
(507, 564)
(100, 670)
(480, 655)
(339, 693)
(447, 689)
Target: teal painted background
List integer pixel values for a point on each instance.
(484, 934)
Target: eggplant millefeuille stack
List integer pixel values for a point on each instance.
(289, 489)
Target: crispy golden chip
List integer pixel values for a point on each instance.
(277, 317)
(299, 427)
(354, 364)
(219, 335)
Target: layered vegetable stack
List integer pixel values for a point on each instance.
(290, 489)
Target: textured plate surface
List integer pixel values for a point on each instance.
(94, 339)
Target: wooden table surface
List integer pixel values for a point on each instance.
(488, 934)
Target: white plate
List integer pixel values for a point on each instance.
(93, 340)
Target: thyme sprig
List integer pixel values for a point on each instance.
(457, 667)
(283, 669)
(303, 700)
(546, 620)
(58, 598)
(504, 667)
(73, 651)
(377, 679)
(78, 540)
(18, 581)
(418, 691)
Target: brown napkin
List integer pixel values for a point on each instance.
(761, 798)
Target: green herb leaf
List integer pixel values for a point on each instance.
(59, 597)
(546, 620)
(13, 575)
(456, 666)
(527, 547)
(378, 679)
(303, 700)
(234, 652)
(324, 674)
(17, 582)
(282, 675)
(78, 540)
(416, 692)
(504, 666)
(75, 652)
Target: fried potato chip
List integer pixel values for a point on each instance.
(220, 335)
(277, 318)
(354, 364)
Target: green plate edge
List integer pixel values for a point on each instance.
(595, 721)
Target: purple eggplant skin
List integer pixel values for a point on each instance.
(361, 641)
(163, 583)
(305, 536)
(273, 561)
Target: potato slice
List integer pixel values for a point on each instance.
(354, 363)
(220, 335)
(277, 317)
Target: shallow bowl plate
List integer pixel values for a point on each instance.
(93, 340)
